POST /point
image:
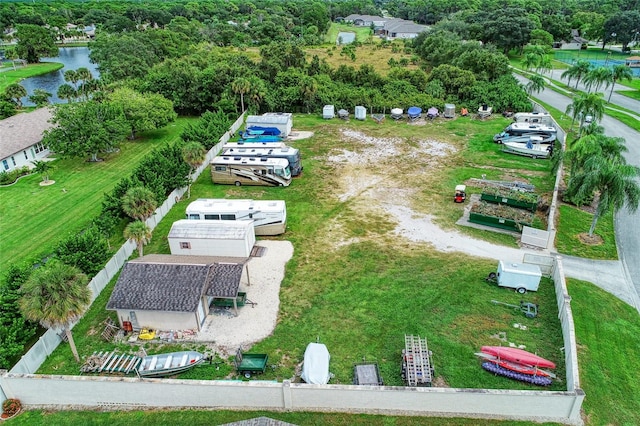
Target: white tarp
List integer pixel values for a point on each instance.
(315, 369)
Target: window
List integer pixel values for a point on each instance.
(39, 147)
(185, 245)
(221, 169)
(5, 164)
(212, 217)
(13, 160)
(25, 155)
(228, 216)
(193, 216)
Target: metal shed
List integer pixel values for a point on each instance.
(449, 110)
(233, 238)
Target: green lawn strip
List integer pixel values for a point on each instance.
(36, 218)
(213, 417)
(633, 94)
(360, 299)
(15, 76)
(608, 338)
(572, 222)
(362, 33)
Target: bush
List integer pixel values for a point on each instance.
(11, 406)
(7, 178)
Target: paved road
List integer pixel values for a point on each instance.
(622, 280)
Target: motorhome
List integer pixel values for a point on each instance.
(269, 216)
(253, 144)
(250, 171)
(533, 118)
(291, 154)
(518, 129)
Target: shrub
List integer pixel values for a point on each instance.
(11, 406)
(7, 178)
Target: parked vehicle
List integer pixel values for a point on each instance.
(522, 277)
(460, 194)
(519, 129)
(250, 171)
(529, 149)
(290, 154)
(248, 364)
(269, 216)
(533, 118)
(544, 138)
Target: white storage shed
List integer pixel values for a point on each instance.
(233, 238)
(329, 111)
(361, 113)
(522, 277)
(449, 110)
(283, 121)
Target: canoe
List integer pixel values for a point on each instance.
(161, 365)
(535, 380)
(518, 356)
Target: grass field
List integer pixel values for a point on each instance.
(361, 298)
(15, 76)
(36, 218)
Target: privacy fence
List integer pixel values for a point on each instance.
(91, 392)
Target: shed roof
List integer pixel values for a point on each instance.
(176, 285)
(211, 229)
(23, 130)
(269, 119)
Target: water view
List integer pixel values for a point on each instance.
(72, 58)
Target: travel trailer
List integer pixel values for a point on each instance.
(518, 129)
(269, 216)
(292, 155)
(250, 171)
(533, 118)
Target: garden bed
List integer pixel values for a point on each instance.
(500, 216)
(519, 199)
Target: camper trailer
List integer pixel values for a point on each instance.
(519, 129)
(269, 216)
(292, 155)
(250, 171)
(252, 144)
(533, 118)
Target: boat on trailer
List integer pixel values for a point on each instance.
(167, 364)
(533, 149)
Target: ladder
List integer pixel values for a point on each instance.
(416, 362)
(134, 321)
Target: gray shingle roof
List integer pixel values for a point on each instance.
(174, 283)
(23, 130)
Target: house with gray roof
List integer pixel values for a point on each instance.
(21, 139)
(366, 20)
(234, 238)
(168, 292)
(401, 28)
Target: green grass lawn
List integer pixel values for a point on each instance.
(362, 33)
(15, 76)
(573, 222)
(361, 298)
(36, 218)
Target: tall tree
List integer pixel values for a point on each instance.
(535, 85)
(143, 111)
(66, 91)
(140, 233)
(241, 86)
(43, 168)
(586, 104)
(35, 42)
(86, 129)
(56, 295)
(193, 154)
(619, 72)
(596, 77)
(15, 92)
(40, 97)
(577, 71)
(139, 203)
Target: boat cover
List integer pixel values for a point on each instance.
(414, 111)
(432, 111)
(315, 369)
(260, 130)
(396, 111)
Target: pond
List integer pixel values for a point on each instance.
(346, 37)
(72, 58)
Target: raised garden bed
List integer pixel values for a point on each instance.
(500, 216)
(522, 200)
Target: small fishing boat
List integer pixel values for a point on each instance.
(162, 365)
(543, 138)
(530, 149)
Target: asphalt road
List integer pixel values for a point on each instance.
(627, 224)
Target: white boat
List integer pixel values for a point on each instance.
(543, 138)
(529, 149)
(161, 365)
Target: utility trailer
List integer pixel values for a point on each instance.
(522, 277)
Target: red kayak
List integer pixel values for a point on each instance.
(518, 356)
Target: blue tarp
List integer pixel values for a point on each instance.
(414, 111)
(267, 131)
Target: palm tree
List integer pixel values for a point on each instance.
(586, 104)
(619, 72)
(56, 295)
(530, 60)
(43, 168)
(596, 78)
(614, 181)
(257, 93)
(577, 71)
(193, 154)
(139, 203)
(72, 77)
(535, 85)
(40, 97)
(15, 92)
(544, 64)
(241, 86)
(139, 232)
(308, 90)
(83, 74)
(66, 91)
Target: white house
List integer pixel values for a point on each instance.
(400, 28)
(283, 121)
(234, 238)
(366, 20)
(21, 139)
(166, 292)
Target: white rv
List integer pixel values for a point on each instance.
(533, 118)
(269, 216)
(292, 155)
(518, 129)
(250, 171)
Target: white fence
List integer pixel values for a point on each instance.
(90, 392)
